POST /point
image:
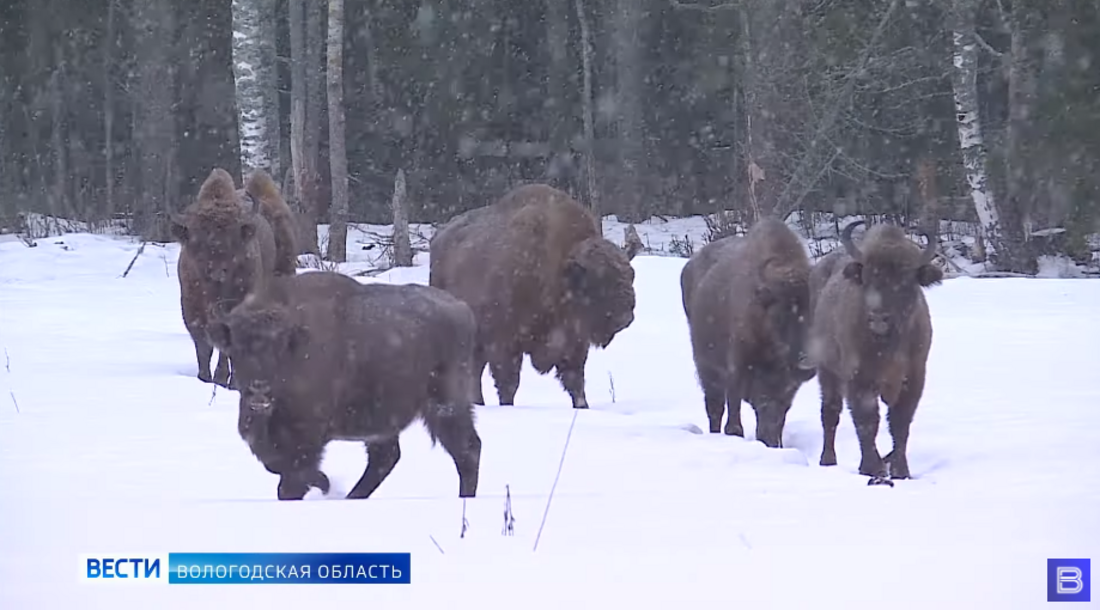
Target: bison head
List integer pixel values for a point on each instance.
(891, 271)
(785, 299)
(599, 286)
(265, 343)
(217, 230)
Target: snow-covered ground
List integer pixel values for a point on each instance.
(109, 443)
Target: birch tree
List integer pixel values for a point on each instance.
(964, 83)
(254, 76)
(338, 158)
(586, 106)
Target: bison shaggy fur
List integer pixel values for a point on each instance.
(747, 303)
(232, 242)
(320, 357)
(541, 280)
(870, 339)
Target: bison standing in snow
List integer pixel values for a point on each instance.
(870, 338)
(541, 280)
(232, 243)
(320, 357)
(747, 302)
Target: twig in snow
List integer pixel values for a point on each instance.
(465, 523)
(509, 518)
(612, 380)
(212, 395)
(568, 436)
(164, 257)
(436, 544)
(7, 360)
(140, 249)
(16, 402)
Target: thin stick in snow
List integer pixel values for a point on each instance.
(546, 512)
(140, 249)
(7, 360)
(436, 544)
(16, 402)
(465, 523)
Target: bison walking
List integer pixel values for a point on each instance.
(541, 280)
(871, 336)
(747, 303)
(232, 242)
(320, 357)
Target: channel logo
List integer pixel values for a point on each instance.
(1068, 580)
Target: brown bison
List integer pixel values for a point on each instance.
(747, 303)
(320, 357)
(541, 280)
(232, 242)
(870, 338)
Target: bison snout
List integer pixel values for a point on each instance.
(258, 396)
(879, 322)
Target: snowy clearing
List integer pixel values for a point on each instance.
(109, 443)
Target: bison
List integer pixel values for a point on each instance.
(541, 280)
(870, 338)
(232, 243)
(747, 303)
(320, 357)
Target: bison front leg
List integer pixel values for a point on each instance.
(203, 353)
(832, 403)
(221, 373)
(295, 484)
(863, 404)
(571, 375)
(713, 384)
(899, 416)
(382, 456)
(504, 364)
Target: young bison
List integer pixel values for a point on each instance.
(746, 300)
(870, 338)
(541, 280)
(320, 357)
(232, 243)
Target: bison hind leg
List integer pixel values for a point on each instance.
(203, 353)
(453, 426)
(382, 456)
(713, 384)
(505, 364)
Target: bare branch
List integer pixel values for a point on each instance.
(134, 260)
(985, 45)
(704, 8)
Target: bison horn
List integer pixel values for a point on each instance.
(846, 240)
(929, 251)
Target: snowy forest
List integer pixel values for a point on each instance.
(982, 111)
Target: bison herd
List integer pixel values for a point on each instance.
(319, 356)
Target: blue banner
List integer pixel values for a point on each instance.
(288, 568)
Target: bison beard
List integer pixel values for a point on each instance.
(320, 357)
(541, 281)
(872, 333)
(746, 300)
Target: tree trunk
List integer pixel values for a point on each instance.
(338, 160)
(586, 109)
(109, 112)
(1022, 76)
(252, 76)
(303, 166)
(971, 140)
(560, 116)
(402, 249)
(315, 109)
(154, 121)
(630, 79)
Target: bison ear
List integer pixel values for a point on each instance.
(178, 228)
(574, 276)
(853, 272)
(219, 334)
(929, 275)
(248, 231)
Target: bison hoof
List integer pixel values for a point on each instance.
(735, 432)
(205, 377)
(320, 481)
(581, 406)
(878, 480)
(292, 488)
(827, 459)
